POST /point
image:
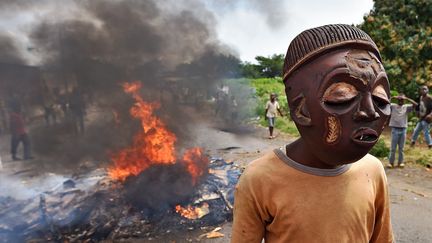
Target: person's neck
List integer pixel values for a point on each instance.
(300, 153)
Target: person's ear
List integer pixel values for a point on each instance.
(299, 111)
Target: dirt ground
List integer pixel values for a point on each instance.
(410, 188)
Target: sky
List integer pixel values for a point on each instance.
(263, 28)
(249, 27)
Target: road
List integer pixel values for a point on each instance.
(410, 188)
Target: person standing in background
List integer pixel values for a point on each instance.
(49, 105)
(77, 108)
(399, 123)
(424, 109)
(233, 108)
(271, 109)
(19, 134)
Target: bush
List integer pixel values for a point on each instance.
(423, 160)
(412, 122)
(380, 150)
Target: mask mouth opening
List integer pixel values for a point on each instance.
(365, 136)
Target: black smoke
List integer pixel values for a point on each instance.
(170, 47)
(9, 52)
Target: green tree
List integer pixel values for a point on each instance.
(267, 67)
(271, 66)
(402, 30)
(251, 70)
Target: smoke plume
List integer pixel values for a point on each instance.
(90, 48)
(9, 52)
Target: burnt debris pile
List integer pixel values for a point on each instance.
(93, 207)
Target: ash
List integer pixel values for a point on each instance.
(92, 207)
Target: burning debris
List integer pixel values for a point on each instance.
(155, 177)
(153, 145)
(191, 212)
(103, 210)
(147, 190)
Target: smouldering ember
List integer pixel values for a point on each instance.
(191, 212)
(154, 144)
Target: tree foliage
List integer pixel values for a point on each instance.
(267, 67)
(402, 30)
(250, 70)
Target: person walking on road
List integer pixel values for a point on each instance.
(271, 109)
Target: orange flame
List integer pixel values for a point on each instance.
(153, 145)
(195, 163)
(191, 212)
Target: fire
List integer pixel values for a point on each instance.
(191, 212)
(195, 163)
(154, 144)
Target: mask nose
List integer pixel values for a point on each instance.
(366, 110)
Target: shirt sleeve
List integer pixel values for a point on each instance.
(267, 105)
(248, 227)
(382, 232)
(410, 108)
(277, 105)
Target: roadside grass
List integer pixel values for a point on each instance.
(419, 154)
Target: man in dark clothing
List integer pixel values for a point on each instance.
(18, 134)
(77, 109)
(424, 111)
(49, 105)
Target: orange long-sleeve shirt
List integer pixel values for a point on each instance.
(280, 200)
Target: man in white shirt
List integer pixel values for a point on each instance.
(272, 108)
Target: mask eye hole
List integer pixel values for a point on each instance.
(340, 94)
(380, 98)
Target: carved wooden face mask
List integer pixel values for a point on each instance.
(340, 103)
